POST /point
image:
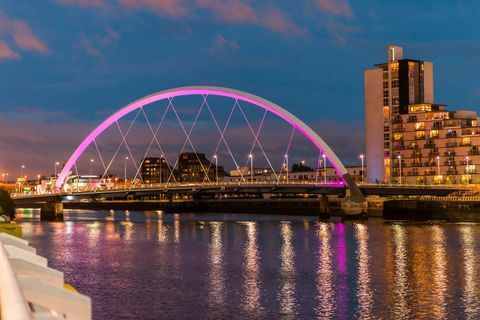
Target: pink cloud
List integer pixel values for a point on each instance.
(276, 20)
(6, 52)
(22, 34)
(336, 7)
(164, 7)
(24, 38)
(84, 3)
(232, 11)
(237, 11)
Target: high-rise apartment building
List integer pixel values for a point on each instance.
(389, 90)
(409, 138)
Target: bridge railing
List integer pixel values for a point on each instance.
(29, 289)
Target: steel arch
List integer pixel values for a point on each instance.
(215, 91)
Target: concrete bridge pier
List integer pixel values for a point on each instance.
(354, 205)
(51, 211)
(324, 213)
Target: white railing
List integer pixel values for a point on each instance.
(29, 289)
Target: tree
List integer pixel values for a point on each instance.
(6, 204)
(301, 167)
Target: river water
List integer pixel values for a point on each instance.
(147, 265)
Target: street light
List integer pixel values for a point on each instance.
(251, 167)
(324, 169)
(125, 180)
(216, 168)
(91, 162)
(438, 165)
(56, 164)
(38, 177)
(467, 170)
(361, 157)
(400, 166)
(21, 170)
(286, 165)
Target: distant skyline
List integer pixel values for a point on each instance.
(67, 64)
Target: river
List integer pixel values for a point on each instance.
(149, 265)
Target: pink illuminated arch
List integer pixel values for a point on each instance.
(215, 91)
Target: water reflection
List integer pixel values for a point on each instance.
(287, 271)
(364, 291)
(439, 273)
(400, 284)
(216, 277)
(251, 270)
(325, 308)
(470, 299)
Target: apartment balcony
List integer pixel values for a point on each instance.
(429, 163)
(429, 145)
(474, 152)
(399, 147)
(398, 128)
(451, 134)
(416, 164)
(412, 119)
(430, 172)
(449, 153)
(451, 172)
(437, 126)
(421, 137)
(450, 163)
(397, 120)
(412, 146)
(471, 171)
(433, 154)
(451, 144)
(464, 144)
(412, 173)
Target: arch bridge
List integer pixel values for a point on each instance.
(353, 203)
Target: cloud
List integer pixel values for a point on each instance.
(339, 32)
(232, 11)
(6, 52)
(84, 3)
(336, 7)
(171, 8)
(24, 39)
(94, 45)
(22, 36)
(221, 43)
(237, 11)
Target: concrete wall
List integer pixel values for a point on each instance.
(374, 125)
(428, 82)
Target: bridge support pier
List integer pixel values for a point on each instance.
(324, 209)
(51, 211)
(354, 205)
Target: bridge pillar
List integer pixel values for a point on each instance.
(51, 211)
(324, 209)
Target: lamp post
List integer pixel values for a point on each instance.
(324, 169)
(438, 165)
(56, 164)
(125, 172)
(21, 170)
(216, 168)
(91, 163)
(250, 156)
(286, 165)
(361, 157)
(400, 166)
(467, 170)
(38, 178)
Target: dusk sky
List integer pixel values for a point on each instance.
(67, 64)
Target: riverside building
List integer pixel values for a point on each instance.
(411, 139)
